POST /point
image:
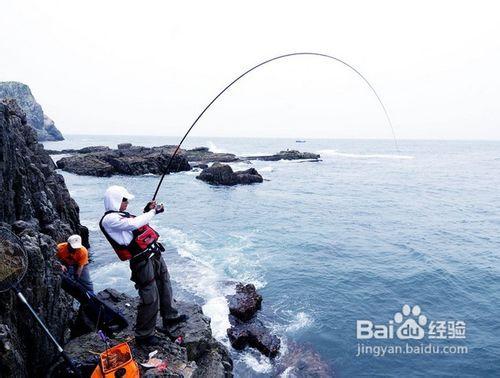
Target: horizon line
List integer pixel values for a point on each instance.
(284, 137)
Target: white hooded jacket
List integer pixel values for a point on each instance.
(117, 226)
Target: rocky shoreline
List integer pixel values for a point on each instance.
(198, 355)
(39, 209)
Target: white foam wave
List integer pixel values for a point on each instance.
(192, 172)
(363, 156)
(197, 274)
(291, 320)
(213, 148)
(266, 169)
(218, 310)
(288, 371)
(57, 157)
(301, 320)
(259, 364)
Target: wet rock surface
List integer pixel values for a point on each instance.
(246, 329)
(252, 333)
(37, 207)
(199, 354)
(245, 303)
(41, 123)
(302, 361)
(222, 174)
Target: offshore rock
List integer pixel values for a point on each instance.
(199, 355)
(254, 334)
(84, 150)
(246, 329)
(36, 205)
(126, 160)
(287, 155)
(222, 174)
(35, 117)
(302, 361)
(202, 155)
(136, 160)
(245, 303)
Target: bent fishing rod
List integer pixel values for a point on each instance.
(257, 66)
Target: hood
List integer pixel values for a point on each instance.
(114, 196)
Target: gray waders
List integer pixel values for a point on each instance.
(152, 280)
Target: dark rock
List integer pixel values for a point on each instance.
(254, 334)
(127, 160)
(286, 155)
(245, 303)
(35, 117)
(200, 354)
(124, 146)
(37, 206)
(302, 361)
(86, 150)
(222, 174)
(203, 155)
(199, 165)
(200, 149)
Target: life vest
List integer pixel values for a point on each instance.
(142, 239)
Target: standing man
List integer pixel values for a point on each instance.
(133, 239)
(74, 259)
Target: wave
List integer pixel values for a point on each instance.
(363, 156)
(301, 320)
(292, 321)
(259, 363)
(199, 277)
(266, 169)
(213, 148)
(207, 273)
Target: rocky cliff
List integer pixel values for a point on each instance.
(36, 205)
(44, 126)
(197, 355)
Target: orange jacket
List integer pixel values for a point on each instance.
(78, 257)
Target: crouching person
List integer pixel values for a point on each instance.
(134, 240)
(74, 259)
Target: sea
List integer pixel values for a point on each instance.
(376, 261)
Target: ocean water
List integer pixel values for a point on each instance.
(353, 237)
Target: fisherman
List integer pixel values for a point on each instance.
(74, 259)
(133, 239)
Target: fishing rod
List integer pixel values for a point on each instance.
(257, 66)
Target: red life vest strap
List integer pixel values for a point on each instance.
(143, 237)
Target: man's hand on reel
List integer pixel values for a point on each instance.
(153, 205)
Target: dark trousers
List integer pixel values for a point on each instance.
(84, 278)
(152, 280)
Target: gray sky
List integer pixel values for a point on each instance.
(130, 67)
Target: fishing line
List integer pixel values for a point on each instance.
(257, 66)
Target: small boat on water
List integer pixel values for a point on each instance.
(300, 141)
